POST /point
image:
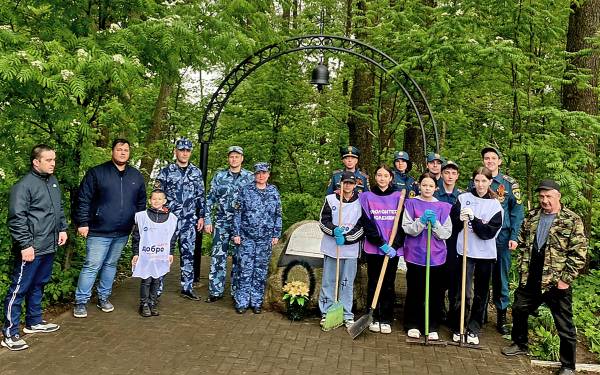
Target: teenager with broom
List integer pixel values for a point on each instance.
(379, 209)
(482, 213)
(340, 246)
(422, 212)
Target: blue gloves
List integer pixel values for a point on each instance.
(338, 233)
(388, 250)
(428, 216)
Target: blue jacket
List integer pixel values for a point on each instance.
(257, 213)
(108, 200)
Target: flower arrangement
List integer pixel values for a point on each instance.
(296, 292)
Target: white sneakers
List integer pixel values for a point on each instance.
(433, 336)
(374, 327)
(380, 327)
(386, 328)
(348, 323)
(472, 339)
(456, 337)
(414, 333)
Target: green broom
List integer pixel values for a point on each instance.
(334, 317)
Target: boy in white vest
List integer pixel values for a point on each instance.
(346, 236)
(153, 242)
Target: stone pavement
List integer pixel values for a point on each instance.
(195, 337)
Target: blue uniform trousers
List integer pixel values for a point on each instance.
(218, 263)
(187, 241)
(500, 272)
(253, 257)
(27, 283)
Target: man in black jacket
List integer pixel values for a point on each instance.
(109, 196)
(37, 224)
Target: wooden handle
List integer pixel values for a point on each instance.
(386, 258)
(463, 291)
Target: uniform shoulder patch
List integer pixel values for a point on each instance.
(509, 179)
(363, 173)
(337, 171)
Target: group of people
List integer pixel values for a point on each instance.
(436, 225)
(433, 222)
(241, 209)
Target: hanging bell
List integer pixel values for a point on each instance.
(320, 76)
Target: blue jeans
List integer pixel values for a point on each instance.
(27, 283)
(102, 255)
(346, 285)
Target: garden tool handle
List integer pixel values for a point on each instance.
(427, 276)
(463, 291)
(385, 257)
(337, 247)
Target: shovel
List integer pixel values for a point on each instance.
(334, 316)
(361, 324)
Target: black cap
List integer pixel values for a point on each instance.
(348, 177)
(548, 185)
(491, 149)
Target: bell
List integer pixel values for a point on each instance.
(320, 76)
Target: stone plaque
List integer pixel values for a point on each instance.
(306, 241)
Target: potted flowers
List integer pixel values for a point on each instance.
(296, 298)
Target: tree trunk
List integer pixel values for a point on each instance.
(156, 129)
(584, 22)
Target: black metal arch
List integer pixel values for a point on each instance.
(333, 44)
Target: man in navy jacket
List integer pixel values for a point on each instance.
(109, 196)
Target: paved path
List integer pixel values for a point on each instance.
(195, 337)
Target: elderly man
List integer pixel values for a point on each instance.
(554, 249)
(224, 189)
(36, 222)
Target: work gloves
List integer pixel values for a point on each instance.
(338, 234)
(428, 217)
(466, 214)
(388, 250)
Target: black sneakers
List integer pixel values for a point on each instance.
(189, 294)
(515, 349)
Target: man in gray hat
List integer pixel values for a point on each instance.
(224, 189)
(182, 182)
(553, 252)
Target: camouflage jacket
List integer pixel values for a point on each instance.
(185, 191)
(224, 189)
(566, 248)
(257, 213)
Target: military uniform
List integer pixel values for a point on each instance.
(553, 248)
(362, 179)
(402, 180)
(184, 188)
(224, 189)
(257, 220)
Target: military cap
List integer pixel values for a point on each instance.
(237, 149)
(491, 149)
(349, 151)
(261, 167)
(183, 144)
(548, 185)
(403, 155)
(450, 164)
(348, 177)
(434, 156)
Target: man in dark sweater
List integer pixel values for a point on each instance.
(109, 196)
(37, 224)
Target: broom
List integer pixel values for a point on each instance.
(334, 316)
(361, 324)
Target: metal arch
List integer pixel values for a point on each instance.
(333, 44)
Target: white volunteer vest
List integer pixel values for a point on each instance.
(483, 209)
(155, 245)
(351, 212)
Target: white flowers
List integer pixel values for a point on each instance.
(22, 54)
(82, 54)
(5, 27)
(118, 58)
(443, 38)
(113, 28)
(473, 41)
(75, 122)
(66, 74)
(37, 64)
(459, 12)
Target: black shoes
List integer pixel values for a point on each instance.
(189, 294)
(240, 310)
(501, 323)
(145, 310)
(154, 310)
(211, 299)
(256, 310)
(515, 349)
(565, 371)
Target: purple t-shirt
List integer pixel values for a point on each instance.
(415, 247)
(381, 209)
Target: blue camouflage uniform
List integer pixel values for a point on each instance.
(224, 190)
(362, 179)
(257, 220)
(184, 188)
(402, 180)
(509, 196)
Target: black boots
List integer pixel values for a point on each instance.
(501, 323)
(145, 310)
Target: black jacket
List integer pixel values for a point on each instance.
(35, 213)
(371, 231)
(108, 200)
(157, 217)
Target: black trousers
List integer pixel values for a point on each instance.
(414, 307)
(384, 311)
(149, 291)
(479, 274)
(560, 303)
